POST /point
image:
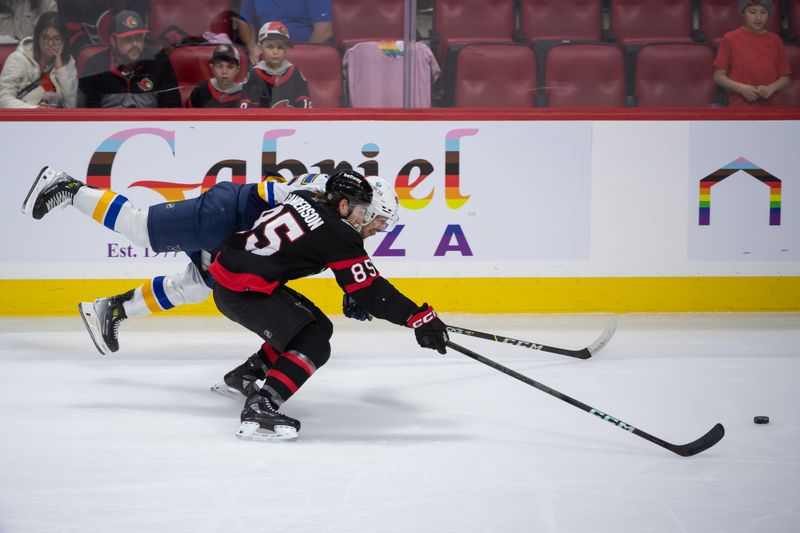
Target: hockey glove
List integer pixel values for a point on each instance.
(351, 309)
(429, 330)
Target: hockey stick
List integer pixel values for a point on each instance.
(583, 353)
(692, 448)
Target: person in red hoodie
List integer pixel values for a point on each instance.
(751, 62)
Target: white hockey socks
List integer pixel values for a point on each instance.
(115, 212)
(165, 292)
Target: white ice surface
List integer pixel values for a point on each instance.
(400, 439)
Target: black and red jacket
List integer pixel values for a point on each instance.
(149, 83)
(289, 89)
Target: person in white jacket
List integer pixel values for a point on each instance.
(41, 72)
(18, 17)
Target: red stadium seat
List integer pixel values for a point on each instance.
(560, 20)
(582, 75)
(674, 75)
(458, 22)
(86, 53)
(356, 21)
(794, 18)
(321, 66)
(171, 20)
(717, 17)
(640, 21)
(790, 96)
(495, 75)
(5, 51)
(190, 64)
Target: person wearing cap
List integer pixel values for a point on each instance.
(224, 88)
(751, 62)
(308, 21)
(123, 76)
(289, 87)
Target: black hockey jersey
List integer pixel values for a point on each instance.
(289, 89)
(299, 238)
(254, 92)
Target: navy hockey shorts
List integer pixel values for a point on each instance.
(196, 224)
(277, 318)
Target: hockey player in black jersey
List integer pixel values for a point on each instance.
(306, 234)
(224, 89)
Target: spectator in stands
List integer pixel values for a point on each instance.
(224, 89)
(289, 87)
(308, 21)
(123, 77)
(751, 62)
(41, 72)
(18, 18)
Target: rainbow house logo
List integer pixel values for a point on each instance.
(733, 167)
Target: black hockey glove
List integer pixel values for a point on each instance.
(430, 331)
(351, 309)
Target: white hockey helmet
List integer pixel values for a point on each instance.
(384, 203)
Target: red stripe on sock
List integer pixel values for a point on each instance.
(283, 378)
(299, 362)
(272, 355)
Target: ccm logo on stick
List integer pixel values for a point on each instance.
(615, 421)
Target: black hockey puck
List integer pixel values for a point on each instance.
(761, 420)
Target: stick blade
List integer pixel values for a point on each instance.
(705, 442)
(603, 339)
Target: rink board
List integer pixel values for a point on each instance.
(518, 213)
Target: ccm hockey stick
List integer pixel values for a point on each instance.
(705, 442)
(583, 353)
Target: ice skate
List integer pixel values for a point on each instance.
(51, 189)
(262, 421)
(102, 319)
(242, 380)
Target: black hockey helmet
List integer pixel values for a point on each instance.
(350, 185)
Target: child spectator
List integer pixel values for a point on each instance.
(224, 89)
(18, 17)
(40, 72)
(289, 87)
(751, 62)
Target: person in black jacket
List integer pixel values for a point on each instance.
(224, 89)
(123, 77)
(301, 237)
(289, 87)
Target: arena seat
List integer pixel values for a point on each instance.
(494, 75)
(639, 21)
(190, 64)
(717, 17)
(171, 20)
(458, 22)
(556, 19)
(794, 18)
(5, 51)
(580, 74)
(673, 75)
(356, 21)
(86, 53)
(321, 65)
(790, 96)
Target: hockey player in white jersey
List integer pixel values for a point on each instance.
(194, 226)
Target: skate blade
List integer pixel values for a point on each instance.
(92, 326)
(253, 431)
(41, 182)
(223, 389)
